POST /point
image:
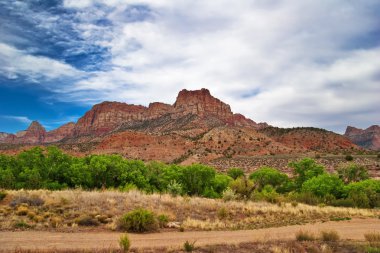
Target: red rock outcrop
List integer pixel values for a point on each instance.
(33, 135)
(58, 134)
(107, 116)
(201, 103)
(368, 138)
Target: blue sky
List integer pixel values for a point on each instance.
(285, 62)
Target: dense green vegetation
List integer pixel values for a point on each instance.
(51, 169)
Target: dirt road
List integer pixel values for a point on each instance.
(353, 229)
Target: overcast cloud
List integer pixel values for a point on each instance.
(288, 63)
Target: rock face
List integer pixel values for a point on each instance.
(109, 116)
(3, 136)
(368, 138)
(60, 133)
(34, 134)
(201, 103)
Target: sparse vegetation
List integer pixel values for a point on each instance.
(139, 221)
(125, 243)
(330, 236)
(304, 236)
(189, 246)
(3, 194)
(373, 238)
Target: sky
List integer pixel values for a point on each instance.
(285, 62)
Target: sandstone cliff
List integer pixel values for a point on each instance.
(368, 138)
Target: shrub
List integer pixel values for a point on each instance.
(330, 236)
(373, 238)
(87, 221)
(189, 246)
(32, 200)
(139, 220)
(163, 220)
(304, 236)
(3, 194)
(22, 210)
(235, 173)
(306, 197)
(229, 194)
(349, 158)
(223, 213)
(21, 224)
(124, 243)
(242, 187)
(343, 202)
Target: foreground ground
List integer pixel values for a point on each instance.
(43, 240)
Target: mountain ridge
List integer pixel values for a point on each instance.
(196, 128)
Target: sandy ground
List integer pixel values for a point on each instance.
(353, 229)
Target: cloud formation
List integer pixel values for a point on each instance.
(289, 63)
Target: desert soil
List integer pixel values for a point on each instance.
(351, 230)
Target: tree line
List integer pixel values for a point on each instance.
(52, 169)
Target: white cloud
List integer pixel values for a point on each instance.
(21, 119)
(307, 58)
(14, 62)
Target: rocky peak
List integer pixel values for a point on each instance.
(201, 102)
(352, 130)
(35, 127)
(368, 138)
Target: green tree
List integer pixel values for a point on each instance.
(324, 185)
(196, 177)
(268, 176)
(304, 170)
(235, 173)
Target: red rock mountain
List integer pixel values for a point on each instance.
(368, 138)
(196, 128)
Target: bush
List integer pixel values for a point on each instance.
(330, 236)
(139, 220)
(32, 200)
(349, 158)
(3, 194)
(306, 197)
(189, 246)
(124, 243)
(163, 220)
(304, 236)
(343, 202)
(229, 194)
(21, 224)
(87, 221)
(373, 238)
(223, 213)
(242, 187)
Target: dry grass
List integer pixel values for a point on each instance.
(62, 210)
(373, 238)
